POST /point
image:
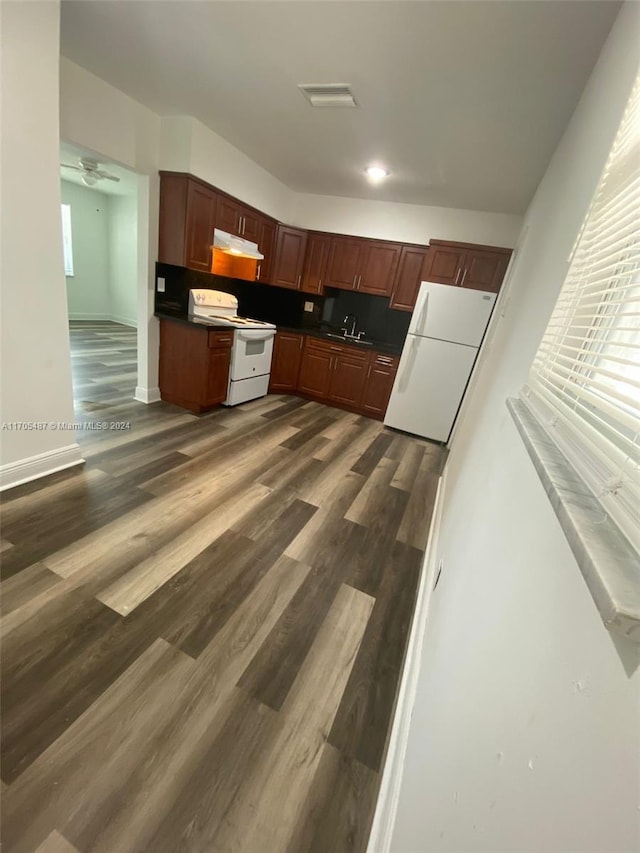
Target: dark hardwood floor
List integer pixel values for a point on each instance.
(204, 627)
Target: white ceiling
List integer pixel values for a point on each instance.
(71, 154)
(463, 101)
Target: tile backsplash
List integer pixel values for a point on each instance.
(286, 307)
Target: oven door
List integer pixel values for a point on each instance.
(251, 353)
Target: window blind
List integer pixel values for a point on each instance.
(585, 379)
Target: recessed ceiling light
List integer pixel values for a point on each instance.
(376, 173)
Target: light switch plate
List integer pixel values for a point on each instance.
(160, 285)
(308, 306)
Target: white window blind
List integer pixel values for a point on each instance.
(585, 379)
(67, 246)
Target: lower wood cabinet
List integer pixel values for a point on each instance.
(380, 378)
(194, 365)
(285, 362)
(347, 376)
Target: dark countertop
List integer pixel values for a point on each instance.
(376, 346)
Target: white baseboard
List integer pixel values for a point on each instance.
(34, 467)
(389, 794)
(146, 395)
(124, 321)
(112, 318)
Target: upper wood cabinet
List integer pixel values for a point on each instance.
(187, 219)
(467, 265)
(367, 266)
(408, 277)
(237, 219)
(288, 262)
(378, 263)
(266, 244)
(315, 264)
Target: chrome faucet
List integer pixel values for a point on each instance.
(354, 322)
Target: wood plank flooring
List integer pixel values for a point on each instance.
(204, 627)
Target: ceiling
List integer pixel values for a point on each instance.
(71, 154)
(463, 101)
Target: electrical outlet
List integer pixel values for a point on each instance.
(160, 285)
(308, 306)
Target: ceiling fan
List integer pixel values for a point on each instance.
(91, 174)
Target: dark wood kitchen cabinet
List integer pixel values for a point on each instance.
(348, 377)
(315, 369)
(236, 218)
(368, 266)
(467, 265)
(194, 365)
(381, 375)
(408, 277)
(288, 262)
(266, 244)
(315, 263)
(187, 219)
(285, 362)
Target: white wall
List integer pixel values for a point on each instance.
(123, 251)
(88, 294)
(410, 223)
(36, 376)
(524, 735)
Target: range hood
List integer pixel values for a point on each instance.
(232, 245)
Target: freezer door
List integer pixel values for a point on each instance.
(455, 314)
(432, 377)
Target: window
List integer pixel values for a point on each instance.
(584, 384)
(67, 246)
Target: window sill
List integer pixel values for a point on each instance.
(605, 557)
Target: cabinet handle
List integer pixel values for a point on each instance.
(355, 282)
(301, 341)
(369, 372)
(299, 281)
(466, 270)
(359, 281)
(258, 272)
(241, 225)
(319, 284)
(458, 274)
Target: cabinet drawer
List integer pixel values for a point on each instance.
(379, 359)
(220, 339)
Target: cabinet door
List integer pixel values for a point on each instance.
(266, 242)
(315, 371)
(343, 265)
(484, 270)
(217, 376)
(228, 215)
(408, 278)
(201, 214)
(378, 265)
(250, 224)
(348, 378)
(381, 375)
(315, 264)
(289, 257)
(285, 363)
(445, 264)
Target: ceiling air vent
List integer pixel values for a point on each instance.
(328, 94)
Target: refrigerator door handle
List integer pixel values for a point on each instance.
(403, 379)
(423, 315)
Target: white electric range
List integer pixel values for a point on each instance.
(252, 346)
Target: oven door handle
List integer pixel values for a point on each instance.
(255, 334)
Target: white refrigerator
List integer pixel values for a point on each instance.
(445, 333)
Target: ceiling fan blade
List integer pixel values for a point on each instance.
(106, 175)
(69, 166)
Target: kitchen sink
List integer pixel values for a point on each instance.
(349, 340)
